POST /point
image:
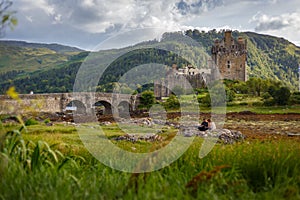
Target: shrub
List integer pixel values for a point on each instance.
(258, 103)
(282, 96)
(243, 104)
(269, 102)
(218, 96)
(266, 96)
(205, 100)
(230, 95)
(172, 102)
(47, 121)
(31, 122)
(295, 98)
(147, 99)
(275, 96)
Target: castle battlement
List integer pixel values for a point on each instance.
(230, 56)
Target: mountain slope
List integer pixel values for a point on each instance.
(279, 58)
(28, 57)
(54, 47)
(268, 56)
(45, 68)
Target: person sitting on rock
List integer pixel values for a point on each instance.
(203, 126)
(211, 125)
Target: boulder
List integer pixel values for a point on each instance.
(225, 136)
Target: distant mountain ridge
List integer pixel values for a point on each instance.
(52, 46)
(53, 67)
(30, 57)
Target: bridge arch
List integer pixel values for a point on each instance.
(103, 107)
(77, 106)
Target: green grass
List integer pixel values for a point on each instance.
(240, 104)
(266, 109)
(249, 170)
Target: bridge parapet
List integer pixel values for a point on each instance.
(57, 102)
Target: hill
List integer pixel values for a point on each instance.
(29, 57)
(53, 68)
(55, 47)
(268, 56)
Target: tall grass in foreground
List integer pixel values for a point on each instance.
(35, 170)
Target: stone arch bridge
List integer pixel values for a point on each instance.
(62, 102)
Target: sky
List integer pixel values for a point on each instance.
(87, 23)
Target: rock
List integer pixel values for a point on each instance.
(293, 134)
(135, 138)
(225, 136)
(106, 123)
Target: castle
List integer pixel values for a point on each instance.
(181, 78)
(229, 58)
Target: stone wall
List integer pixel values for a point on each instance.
(186, 81)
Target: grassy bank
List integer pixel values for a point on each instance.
(249, 170)
(240, 104)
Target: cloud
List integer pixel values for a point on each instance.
(281, 22)
(285, 25)
(100, 16)
(80, 21)
(266, 23)
(195, 7)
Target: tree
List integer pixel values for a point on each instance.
(217, 95)
(7, 17)
(147, 99)
(295, 98)
(230, 95)
(279, 96)
(172, 102)
(282, 96)
(256, 85)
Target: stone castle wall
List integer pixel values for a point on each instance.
(229, 58)
(185, 79)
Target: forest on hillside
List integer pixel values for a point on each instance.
(268, 58)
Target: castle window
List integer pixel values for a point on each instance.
(228, 64)
(241, 66)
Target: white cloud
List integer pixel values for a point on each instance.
(42, 4)
(285, 25)
(98, 16)
(267, 23)
(80, 21)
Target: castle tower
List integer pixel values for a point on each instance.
(230, 57)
